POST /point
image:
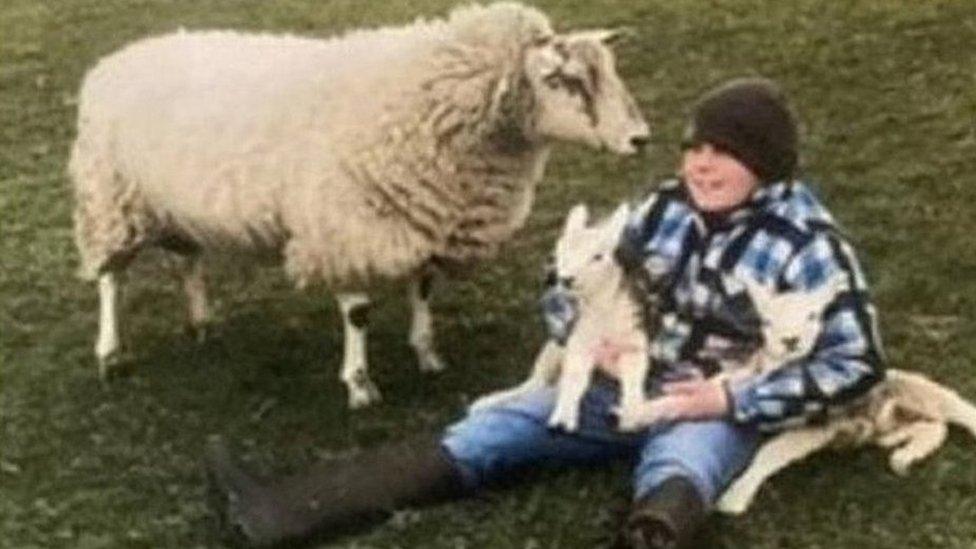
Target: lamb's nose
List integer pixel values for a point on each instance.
(791, 343)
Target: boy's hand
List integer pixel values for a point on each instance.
(686, 401)
(606, 355)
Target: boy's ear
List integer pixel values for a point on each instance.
(576, 220)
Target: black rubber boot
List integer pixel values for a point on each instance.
(333, 497)
(667, 518)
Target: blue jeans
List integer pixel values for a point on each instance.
(490, 444)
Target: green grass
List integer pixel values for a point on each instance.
(887, 93)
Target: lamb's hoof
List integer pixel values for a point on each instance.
(429, 363)
(901, 462)
(625, 421)
(729, 507)
(363, 394)
(562, 425)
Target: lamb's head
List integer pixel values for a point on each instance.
(579, 95)
(791, 321)
(584, 262)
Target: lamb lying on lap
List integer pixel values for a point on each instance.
(907, 411)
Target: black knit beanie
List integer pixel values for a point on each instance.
(749, 119)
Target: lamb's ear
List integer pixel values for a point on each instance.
(618, 219)
(836, 284)
(758, 292)
(576, 220)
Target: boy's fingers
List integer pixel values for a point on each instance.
(681, 387)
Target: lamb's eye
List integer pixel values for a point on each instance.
(598, 257)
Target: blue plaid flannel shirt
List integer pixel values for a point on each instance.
(782, 236)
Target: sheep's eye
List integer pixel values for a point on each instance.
(598, 257)
(552, 80)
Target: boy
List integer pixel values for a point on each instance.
(734, 211)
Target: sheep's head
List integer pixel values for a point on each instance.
(584, 260)
(579, 95)
(790, 321)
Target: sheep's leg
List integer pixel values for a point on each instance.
(355, 318)
(422, 324)
(107, 345)
(193, 280)
(544, 372)
(573, 383)
(772, 457)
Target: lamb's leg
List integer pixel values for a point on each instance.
(917, 440)
(633, 368)
(107, 345)
(544, 372)
(355, 318)
(772, 457)
(194, 284)
(575, 378)
(422, 324)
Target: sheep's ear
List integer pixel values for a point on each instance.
(606, 36)
(576, 220)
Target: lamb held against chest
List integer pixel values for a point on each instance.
(608, 313)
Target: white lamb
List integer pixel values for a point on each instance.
(906, 411)
(584, 263)
(380, 155)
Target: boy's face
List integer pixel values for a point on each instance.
(716, 180)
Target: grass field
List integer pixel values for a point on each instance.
(887, 93)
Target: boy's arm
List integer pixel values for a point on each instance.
(846, 361)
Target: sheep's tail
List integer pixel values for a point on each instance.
(921, 395)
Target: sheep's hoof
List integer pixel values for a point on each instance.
(199, 333)
(430, 363)
(362, 394)
(113, 365)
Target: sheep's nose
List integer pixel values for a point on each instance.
(640, 141)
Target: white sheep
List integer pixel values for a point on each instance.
(383, 154)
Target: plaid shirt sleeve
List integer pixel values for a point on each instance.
(846, 360)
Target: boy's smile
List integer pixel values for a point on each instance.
(716, 180)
